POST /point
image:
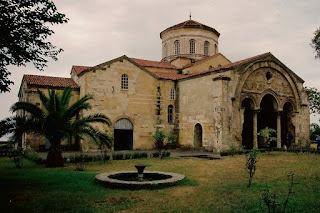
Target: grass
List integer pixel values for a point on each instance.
(210, 186)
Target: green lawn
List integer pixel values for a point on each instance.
(210, 186)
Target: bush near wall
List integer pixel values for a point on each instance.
(95, 158)
(295, 149)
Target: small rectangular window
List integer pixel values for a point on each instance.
(124, 82)
(172, 94)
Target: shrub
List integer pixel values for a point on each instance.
(270, 199)
(232, 149)
(139, 155)
(155, 154)
(34, 157)
(104, 157)
(127, 156)
(166, 153)
(16, 155)
(252, 159)
(117, 156)
(269, 136)
(172, 140)
(80, 161)
(159, 137)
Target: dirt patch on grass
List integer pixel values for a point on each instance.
(116, 200)
(183, 191)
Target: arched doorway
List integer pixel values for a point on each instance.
(198, 135)
(286, 123)
(267, 117)
(123, 135)
(247, 127)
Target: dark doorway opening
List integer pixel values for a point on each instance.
(286, 123)
(198, 135)
(247, 127)
(123, 135)
(267, 117)
(123, 139)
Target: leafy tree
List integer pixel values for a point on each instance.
(57, 122)
(159, 137)
(315, 43)
(314, 98)
(172, 139)
(269, 135)
(314, 131)
(24, 30)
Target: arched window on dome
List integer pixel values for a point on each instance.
(170, 114)
(206, 48)
(165, 49)
(192, 46)
(215, 49)
(124, 82)
(177, 47)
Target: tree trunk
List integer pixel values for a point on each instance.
(54, 158)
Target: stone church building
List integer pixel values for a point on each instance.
(195, 90)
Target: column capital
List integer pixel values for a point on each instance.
(280, 112)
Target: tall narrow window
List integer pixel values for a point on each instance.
(206, 48)
(170, 114)
(215, 49)
(165, 50)
(172, 94)
(192, 46)
(124, 81)
(177, 47)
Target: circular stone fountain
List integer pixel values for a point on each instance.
(138, 180)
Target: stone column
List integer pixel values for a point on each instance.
(279, 129)
(255, 129)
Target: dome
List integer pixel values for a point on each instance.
(190, 24)
(190, 40)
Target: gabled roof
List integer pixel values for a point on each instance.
(79, 69)
(170, 76)
(203, 60)
(231, 65)
(50, 81)
(190, 24)
(157, 64)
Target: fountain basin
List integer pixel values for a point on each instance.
(130, 180)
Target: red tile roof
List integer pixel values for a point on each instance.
(227, 66)
(190, 24)
(79, 69)
(170, 76)
(50, 81)
(157, 64)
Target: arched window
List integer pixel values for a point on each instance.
(177, 47)
(124, 81)
(170, 114)
(206, 48)
(192, 46)
(215, 49)
(165, 49)
(172, 94)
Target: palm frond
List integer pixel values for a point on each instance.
(33, 109)
(43, 98)
(66, 96)
(75, 108)
(95, 118)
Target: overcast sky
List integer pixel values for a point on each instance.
(101, 30)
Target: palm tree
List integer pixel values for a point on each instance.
(58, 121)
